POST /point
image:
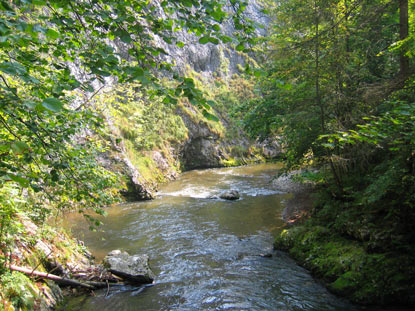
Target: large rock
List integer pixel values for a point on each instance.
(271, 147)
(133, 269)
(230, 195)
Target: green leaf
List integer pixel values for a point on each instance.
(216, 27)
(4, 6)
(5, 147)
(211, 103)
(52, 104)
(54, 175)
(102, 73)
(12, 68)
(123, 35)
(19, 147)
(168, 40)
(213, 40)
(126, 38)
(52, 34)
(180, 44)
(22, 181)
(135, 72)
(30, 104)
(328, 145)
(240, 47)
(187, 3)
(259, 73)
(218, 15)
(38, 2)
(225, 39)
(204, 40)
(209, 116)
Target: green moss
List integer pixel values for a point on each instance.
(147, 168)
(348, 268)
(19, 290)
(346, 282)
(232, 162)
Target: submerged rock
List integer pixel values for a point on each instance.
(133, 269)
(230, 195)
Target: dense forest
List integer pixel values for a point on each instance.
(332, 81)
(339, 91)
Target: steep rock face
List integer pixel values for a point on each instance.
(204, 145)
(205, 148)
(137, 188)
(118, 161)
(201, 149)
(271, 147)
(202, 152)
(208, 58)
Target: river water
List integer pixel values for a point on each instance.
(206, 252)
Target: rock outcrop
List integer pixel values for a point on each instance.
(201, 149)
(207, 59)
(271, 148)
(299, 205)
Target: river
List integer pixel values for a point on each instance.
(206, 252)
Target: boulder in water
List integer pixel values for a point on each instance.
(133, 269)
(230, 195)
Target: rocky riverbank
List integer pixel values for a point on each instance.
(299, 205)
(35, 265)
(40, 272)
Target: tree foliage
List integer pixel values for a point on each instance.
(54, 56)
(338, 90)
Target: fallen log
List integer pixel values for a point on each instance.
(61, 280)
(57, 279)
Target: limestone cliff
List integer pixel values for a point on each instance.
(143, 148)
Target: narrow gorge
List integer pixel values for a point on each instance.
(202, 154)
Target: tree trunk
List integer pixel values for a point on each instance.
(317, 66)
(403, 34)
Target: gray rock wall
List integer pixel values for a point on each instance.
(207, 59)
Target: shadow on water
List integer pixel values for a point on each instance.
(206, 252)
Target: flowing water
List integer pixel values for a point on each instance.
(206, 252)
